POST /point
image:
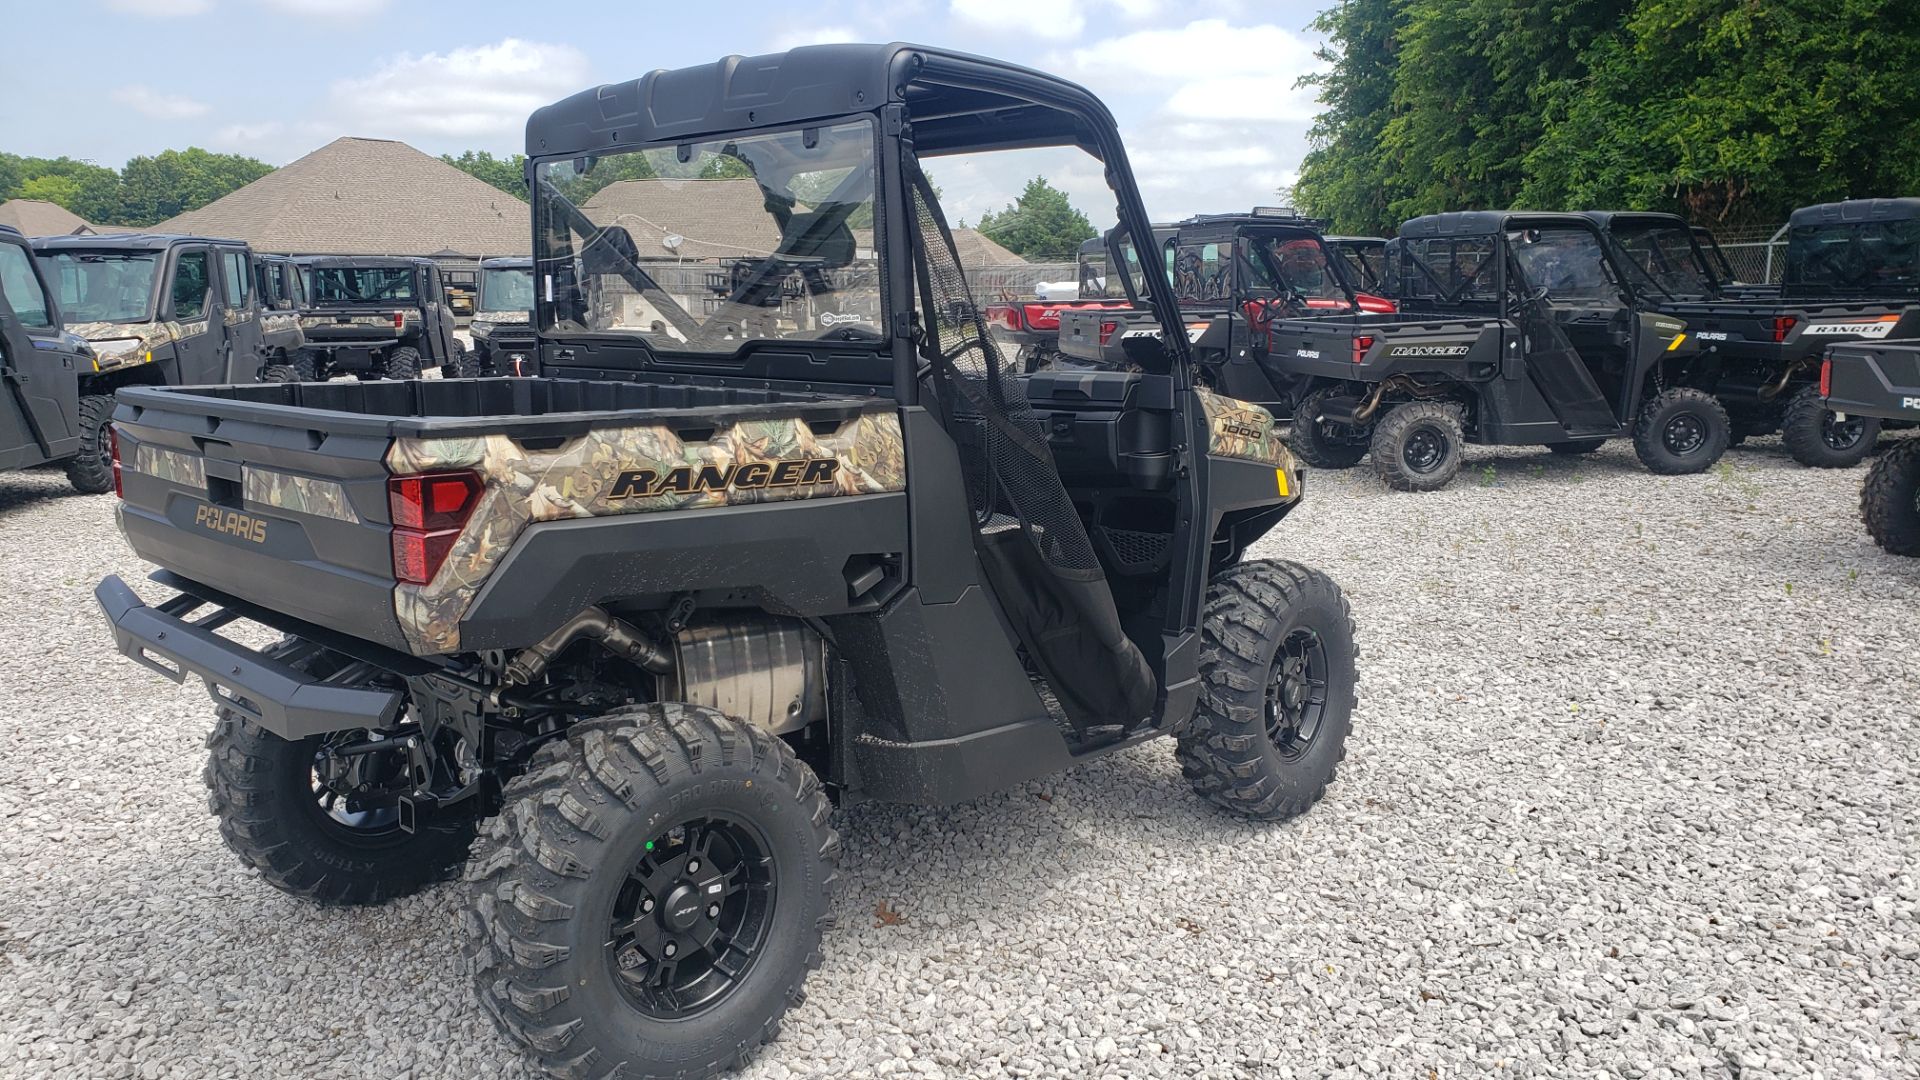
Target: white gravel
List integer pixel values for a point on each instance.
(1632, 793)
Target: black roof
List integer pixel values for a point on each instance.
(124, 242)
(1247, 217)
(520, 263)
(958, 101)
(1357, 240)
(1484, 222)
(1836, 213)
(11, 231)
(1606, 218)
(362, 260)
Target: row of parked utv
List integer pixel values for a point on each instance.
(1561, 330)
(119, 310)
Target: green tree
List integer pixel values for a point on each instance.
(1041, 224)
(10, 177)
(1344, 177)
(506, 173)
(153, 189)
(64, 190)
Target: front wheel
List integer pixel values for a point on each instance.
(1818, 439)
(1324, 444)
(1890, 499)
(1277, 690)
(1681, 431)
(1419, 447)
(652, 895)
(91, 470)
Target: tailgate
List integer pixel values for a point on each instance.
(286, 517)
(1873, 380)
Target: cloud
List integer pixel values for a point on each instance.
(1036, 18)
(331, 9)
(248, 134)
(480, 93)
(162, 9)
(823, 35)
(147, 101)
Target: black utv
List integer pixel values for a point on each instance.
(639, 620)
(1882, 382)
(1760, 352)
(158, 310)
(282, 295)
(1512, 331)
(377, 316)
(502, 326)
(41, 366)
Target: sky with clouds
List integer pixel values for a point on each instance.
(1205, 90)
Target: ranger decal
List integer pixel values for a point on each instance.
(1430, 352)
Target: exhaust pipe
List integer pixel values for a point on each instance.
(620, 637)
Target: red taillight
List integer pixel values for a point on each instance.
(1106, 331)
(1360, 346)
(113, 449)
(399, 320)
(1782, 324)
(1826, 388)
(429, 511)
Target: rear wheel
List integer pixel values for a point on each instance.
(1819, 439)
(1577, 447)
(91, 470)
(403, 363)
(1681, 431)
(650, 899)
(1277, 690)
(461, 365)
(1890, 499)
(1322, 443)
(296, 368)
(1418, 447)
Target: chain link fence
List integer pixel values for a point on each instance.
(1753, 253)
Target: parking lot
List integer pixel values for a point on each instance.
(1631, 792)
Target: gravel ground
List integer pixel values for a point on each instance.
(1631, 793)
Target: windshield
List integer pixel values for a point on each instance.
(1365, 262)
(1664, 257)
(704, 246)
(359, 284)
(1097, 279)
(1864, 257)
(506, 290)
(1563, 262)
(1443, 271)
(1295, 266)
(103, 286)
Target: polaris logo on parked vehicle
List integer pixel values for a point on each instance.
(1711, 335)
(231, 523)
(691, 480)
(1877, 328)
(1307, 354)
(1429, 352)
(1910, 403)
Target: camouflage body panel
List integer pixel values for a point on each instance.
(124, 344)
(592, 476)
(321, 322)
(234, 316)
(504, 318)
(299, 494)
(279, 323)
(1240, 429)
(171, 466)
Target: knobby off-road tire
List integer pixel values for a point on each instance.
(1419, 446)
(91, 470)
(463, 364)
(1277, 690)
(1577, 447)
(1681, 431)
(260, 787)
(403, 363)
(1890, 499)
(565, 938)
(296, 368)
(1819, 440)
(1324, 445)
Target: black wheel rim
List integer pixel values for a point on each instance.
(1297, 693)
(338, 804)
(692, 917)
(1841, 434)
(1425, 450)
(1684, 434)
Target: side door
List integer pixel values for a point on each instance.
(39, 407)
(195, 312)
(240, 310)
(439, 315)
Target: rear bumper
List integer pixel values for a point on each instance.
(279, 698)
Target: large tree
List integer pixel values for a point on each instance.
(1040, 225)
(153, 189)
(506, 173)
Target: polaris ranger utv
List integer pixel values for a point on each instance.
(1032, 327)
(41, 366)
(157, 310)
(282, 295)
(1761, 353)
(502, 330)
(645, 614)
(1510, 332)
(379, 316)
(1882, 381)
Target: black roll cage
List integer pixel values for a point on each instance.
(1494, 226)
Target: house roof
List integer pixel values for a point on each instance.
(367, 197)
(36, 218)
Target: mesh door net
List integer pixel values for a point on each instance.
(1030, 539)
